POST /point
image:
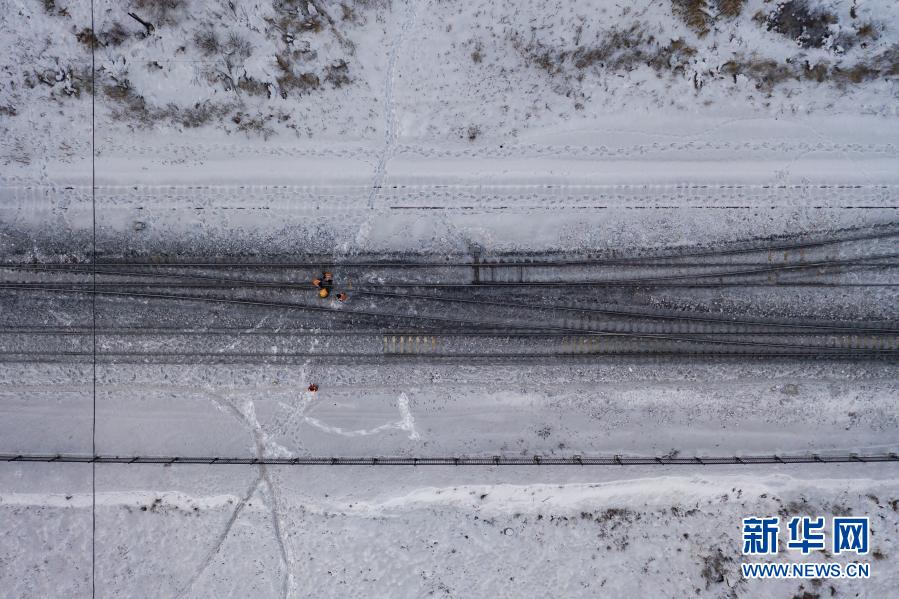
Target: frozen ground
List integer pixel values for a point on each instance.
(275, 128)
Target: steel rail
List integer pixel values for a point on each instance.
(485, 284)
(726, 274)
(462, 460)
(813, 352)
(484, 263)
(319, 332)
(642, 281)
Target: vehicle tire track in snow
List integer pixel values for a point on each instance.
(288, 582)
(247, 416)
(221, 538)
(390, 121)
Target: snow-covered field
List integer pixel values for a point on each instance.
(279, 128)
(351, 532)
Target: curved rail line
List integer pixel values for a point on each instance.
(496, 460)
(543, 307)
(766, 269)
(644, 281)
(407, 317)
(628, 314)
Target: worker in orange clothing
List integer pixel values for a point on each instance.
(342, 296)
(324, 285)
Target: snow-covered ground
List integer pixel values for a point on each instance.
(446, 532)
(621, 407)
(431, 126)
(282, 127)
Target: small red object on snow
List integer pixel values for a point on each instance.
(313, 388)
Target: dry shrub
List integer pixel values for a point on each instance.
(858, 73)
(63, 81)
(114, 36)
(730, 8)
(294, 18)
(207, 41)
(867, 31)
(818, 73)
(694, 13)
(290, 81)
(348, 13)
(795, 20)
(162, 12)
(130, 106)
(80, 79)
(338, 73)
(194, 116)
(237, 47)
(253, 124)
(254, 87)
(715, 567)
(86, 36)
(766, 73)
(51, 9)
(888, 61)
(619, 50)
(534, 52)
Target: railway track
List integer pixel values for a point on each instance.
(584, 312)
(476, 340)
(799, 243)
(450, 310)
(313, 332)
(495, 460)
(476, 337)
(824, 272)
